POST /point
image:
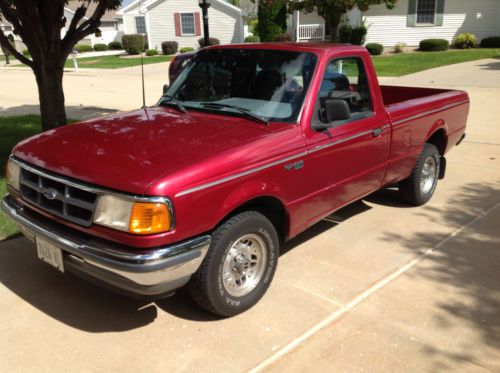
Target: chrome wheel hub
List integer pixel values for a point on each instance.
(244, 265)
(429, 175)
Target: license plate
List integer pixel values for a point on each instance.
(49, 253)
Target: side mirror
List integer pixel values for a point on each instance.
(337, 109)
(165, 88)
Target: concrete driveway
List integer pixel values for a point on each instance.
(378, 286)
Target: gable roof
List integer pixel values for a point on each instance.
(73, 5)
(146, 4)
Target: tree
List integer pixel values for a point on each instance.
(272, 19)
(39, 24)
(333, 10)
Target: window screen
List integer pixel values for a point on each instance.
(426, 12)
(187, 23)
(140, 25)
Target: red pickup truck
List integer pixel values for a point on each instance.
(250, 145)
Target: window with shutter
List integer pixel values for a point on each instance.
(187, 24)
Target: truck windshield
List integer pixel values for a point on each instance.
(269, 84)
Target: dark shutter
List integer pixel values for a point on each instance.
(439, 12)
(197, 24)
(411, 19)
(177, 23)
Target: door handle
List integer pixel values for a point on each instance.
(376, 132)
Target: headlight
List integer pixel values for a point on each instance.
(13, 171)
(132, 216)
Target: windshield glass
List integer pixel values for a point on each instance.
(270, 84)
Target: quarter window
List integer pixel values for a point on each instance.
(426, 12)
(187, 24)
(140, 25)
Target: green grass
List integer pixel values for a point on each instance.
(408, 63)
(114, 62)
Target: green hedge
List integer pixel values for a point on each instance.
(133, 44)
(186, 49)
(434, 45)
(169, 47)
(211, 41)
(82, 48)
(151, 52)
(100, 47)
(252, 39)
(352, 34)
(465, 40)
(490, 42)
(375, 49)
(115, 45)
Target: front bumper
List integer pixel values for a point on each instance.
(150, 273)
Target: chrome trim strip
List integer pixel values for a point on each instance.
(337, 142)
(145, 267)
(238, 175)
(98, 190)
(429, 112)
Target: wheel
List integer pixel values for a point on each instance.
(239, 265)
(420, 186)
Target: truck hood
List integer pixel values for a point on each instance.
(129, 151)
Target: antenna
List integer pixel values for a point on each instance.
(142, 68)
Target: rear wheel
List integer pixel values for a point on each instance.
(420, 186)
(239, 266)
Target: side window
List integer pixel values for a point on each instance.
(344, 94)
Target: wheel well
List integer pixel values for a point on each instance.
(271, 207)
(439, 140)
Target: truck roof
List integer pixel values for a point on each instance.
(299, 47)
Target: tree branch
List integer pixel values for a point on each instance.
(4, 41)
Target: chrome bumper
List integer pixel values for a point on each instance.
(149, 272)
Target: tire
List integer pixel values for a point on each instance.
(420, 186)
(239, 265)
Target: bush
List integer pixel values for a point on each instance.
(434, 45)
(151, 52)
(169, 47)
(100, 47)
(283, 38)
(253, 26)
(345, 33)
(358, 34)
(211, 41)
(491, 42)
(26, 53)
(465, 40)
(252, 39)
(115, 45)
(82, 48)
(399, 47)
(133, 43)
(375, 49)
(186, 49)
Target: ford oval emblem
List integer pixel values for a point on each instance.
(50, 193)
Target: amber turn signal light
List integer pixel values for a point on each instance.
(149, 218)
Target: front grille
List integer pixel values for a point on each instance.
(55, 196)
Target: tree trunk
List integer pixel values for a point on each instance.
(333, 22)
(50, 90)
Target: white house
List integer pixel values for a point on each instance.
(181, 21)
(410, 21)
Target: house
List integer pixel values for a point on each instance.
(181, 21)
(410, 21)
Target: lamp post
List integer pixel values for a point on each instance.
(204, 5)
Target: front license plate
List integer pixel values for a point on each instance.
(49, 253)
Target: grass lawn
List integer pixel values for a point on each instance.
(115, 62)
(408, 63)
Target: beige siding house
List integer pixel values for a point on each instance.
(180, 21)
(411, 21)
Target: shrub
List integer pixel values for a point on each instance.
(151, 52)
(252, 39)
(82, 48)
(375, 49)
(26, 52)
(283, 38)
(491, 42)
(100, 47)
(133, 43)
(115, 45)
(345, 33)
(399, 47)
(211, 41)
(465, 40)
(358, 34)
(434, 45)
(186, 49)
(169, 47)
(253, 26)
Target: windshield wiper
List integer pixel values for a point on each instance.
(243, 111)
(176, 102)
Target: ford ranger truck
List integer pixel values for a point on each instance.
(251, 145)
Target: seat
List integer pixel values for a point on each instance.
(266, 83)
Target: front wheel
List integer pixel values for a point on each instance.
(420, 186)
(239, 265)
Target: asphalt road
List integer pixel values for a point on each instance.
(379, 286)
